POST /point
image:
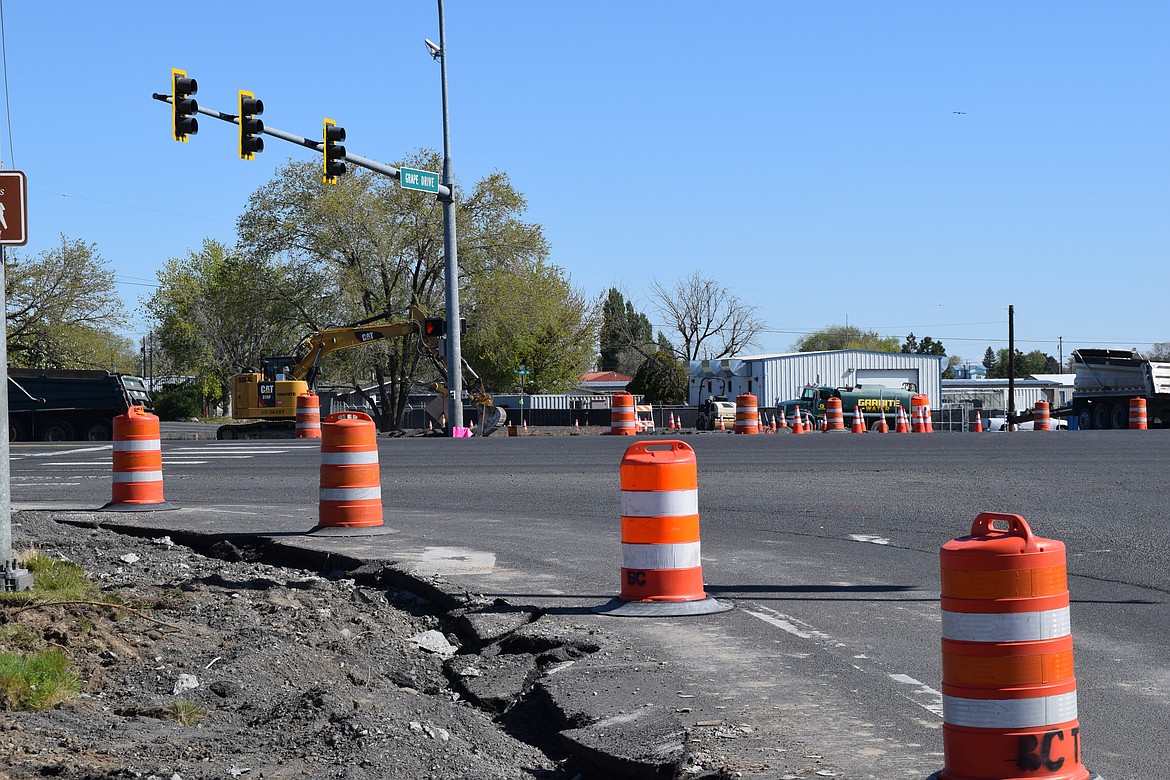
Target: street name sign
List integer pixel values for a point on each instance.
(423, 181)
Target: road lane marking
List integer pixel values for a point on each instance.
(869, 538)
(788, 623)
(925, 697)
(68, 452)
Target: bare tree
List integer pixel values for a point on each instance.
(711, 322)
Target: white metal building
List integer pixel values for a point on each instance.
(992, 394)
(777, 378)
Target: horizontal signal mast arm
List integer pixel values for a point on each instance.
(308, 143)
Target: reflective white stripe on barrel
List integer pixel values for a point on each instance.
(138, 476)
(308, 425)
(348, 458)
(623, 409)
(350, 494)
(660, 556)
(660, 503)
(623, 423)
(1010, 713)
(1006, 626)
(136, 445)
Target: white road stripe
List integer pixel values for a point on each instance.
(869, 538)
(927, 698)
(788, 623)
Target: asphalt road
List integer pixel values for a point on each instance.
(826, 544)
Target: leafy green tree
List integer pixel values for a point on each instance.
(1034, 362)
(530, 314)
(845, 337)
(216, 312)
(661, 377)
(378, 249)
(63, 310)
(626, 335)
(927, 346)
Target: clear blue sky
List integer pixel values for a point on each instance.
(808, 155)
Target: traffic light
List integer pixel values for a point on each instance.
(251, 128)
(434, 327)
(183, 106)
(333, 155)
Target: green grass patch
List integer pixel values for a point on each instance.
(53, 580)
(36, 682)
(185, 712)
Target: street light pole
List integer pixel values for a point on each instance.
(451, 268)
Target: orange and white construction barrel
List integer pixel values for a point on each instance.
(308, 416)
(918, 413)
(1009, 694)
(834, 416)
(137, 475)
(351, 489)
(1042, 420)
(661, 571)
(623, 415)
(1137, 414)
(747, 414)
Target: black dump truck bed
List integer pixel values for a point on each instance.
(69, 405)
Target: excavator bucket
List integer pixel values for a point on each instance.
(493, 417)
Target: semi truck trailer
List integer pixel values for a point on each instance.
(69, 405)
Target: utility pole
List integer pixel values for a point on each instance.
(451, 268)
(1011, 410)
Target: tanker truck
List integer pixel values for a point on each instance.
(874, 400)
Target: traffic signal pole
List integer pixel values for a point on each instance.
(309, 143)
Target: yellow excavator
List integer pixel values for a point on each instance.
(267, 397)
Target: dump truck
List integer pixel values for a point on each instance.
(264, 399)
(1107, 379)
(874, 400)
(69, 405)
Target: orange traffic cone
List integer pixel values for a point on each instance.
(883, 427)
(858, 421)
(927, 420)
(722, 427)
(773, 426)
(978, 427)
(661, 574)
(918, 425)
(900, 424)
(797, 423)
(783, 423)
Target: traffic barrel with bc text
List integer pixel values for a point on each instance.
(661, 572)
(1137, 414)
(747, 414)
(308, 416)
(138, 476)
(1009, 694)
(351, 489)
(623, 416)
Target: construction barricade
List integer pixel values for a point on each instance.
(1137, 414)
(747, 414)
(1009, 694)
(1042, 420)
(661, 572)
(137, 475)
(308, 416)
(623, 416)
(351, 489)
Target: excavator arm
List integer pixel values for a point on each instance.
(316, 345)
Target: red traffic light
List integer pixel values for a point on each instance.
(434, 327)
